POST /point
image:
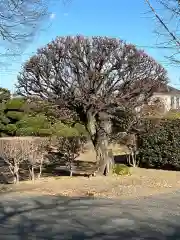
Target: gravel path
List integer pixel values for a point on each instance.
(49, 218)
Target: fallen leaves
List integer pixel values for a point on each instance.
(142, 182)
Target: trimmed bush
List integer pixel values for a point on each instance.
(28, 131)
(14, 115)
(15, 104)
(121, 169)
(10, 128)
(159, 144)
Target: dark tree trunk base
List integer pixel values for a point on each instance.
(107, 168)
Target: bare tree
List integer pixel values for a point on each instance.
(168, 18)
(20, 152)
(11, 151)
(91, 77)
(19, 20)
(130, 140)
(68, 149)
(35, 154)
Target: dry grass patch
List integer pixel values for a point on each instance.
(142, 182)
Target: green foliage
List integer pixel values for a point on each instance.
(14, 115)
(26, 131)
(159, 144)
(81, 129)
(34, 126)
(33, 117)
(4, 119)
(38, 106)
(16, 119)
(66, 130)
(173, 114)
(10, 129)
(39, 121)
(4, 94)
(45, 132)
(11, 111)
(121, 169)
(15, 104)
(61, 130)
(32, 131)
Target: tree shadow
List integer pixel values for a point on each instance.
(55, 167)
(59, 167)
(122, 159)
(84, 218)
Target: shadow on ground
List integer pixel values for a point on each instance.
(60, 217)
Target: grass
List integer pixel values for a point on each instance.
(141, 182)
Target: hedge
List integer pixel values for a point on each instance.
(159, 144)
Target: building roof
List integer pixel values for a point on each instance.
(167, 89)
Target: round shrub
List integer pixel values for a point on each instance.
(121, 169)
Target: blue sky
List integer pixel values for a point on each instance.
(125, 19)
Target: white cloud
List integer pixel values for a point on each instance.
(52, 15)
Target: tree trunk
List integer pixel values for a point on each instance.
(105, 160)
(135, 161)
(31, 171)
(17, 177)
(132, 161)
(99, 137)
(102, 155)
(16, 174)
(33, 176)
(40, 171)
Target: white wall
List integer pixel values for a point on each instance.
(166, 99)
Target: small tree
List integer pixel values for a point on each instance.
(91, 77)
(124, 132)
(11, 151)
(22, 152)
(34, 155)
(66, 143)
(68, 149)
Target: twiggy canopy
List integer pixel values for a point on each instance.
(86, 74)
(19, 20)
(167, 14)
